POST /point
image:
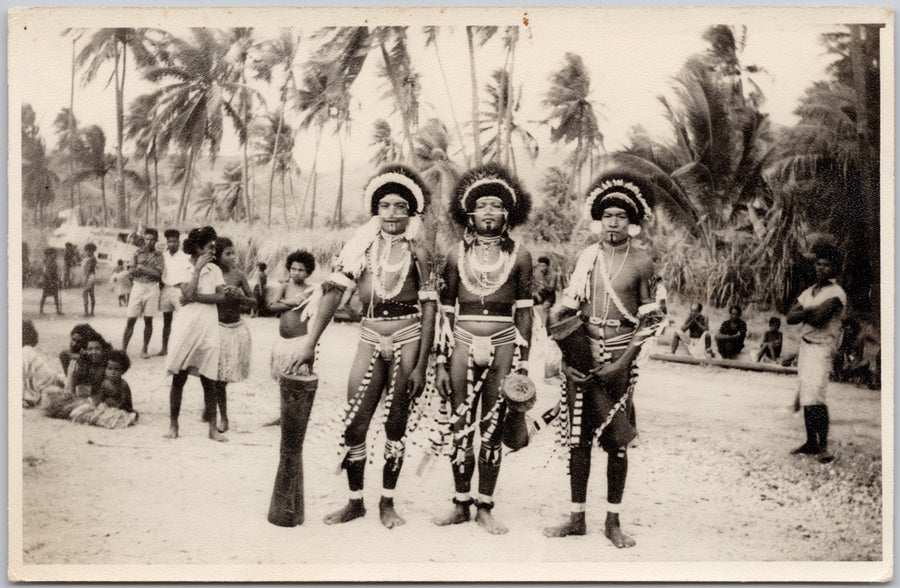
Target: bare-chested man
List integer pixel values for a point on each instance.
(390, 266)
(609, 288)
(487, 297)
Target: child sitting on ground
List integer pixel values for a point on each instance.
(771, 345)
(110, 407)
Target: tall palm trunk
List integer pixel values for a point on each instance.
(506, 134)
(867, 159)
(576, 160)
(103, 196)
(183, 202)
(401, 103)
(338, 218)
(462, 143)
(245, 115)
(121, 203)
(72, 128)
(476, 124)
(275, 151)
(155, 185)
(147, 194)
(311, 183)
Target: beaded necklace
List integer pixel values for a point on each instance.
(470, 266)
(379, 262)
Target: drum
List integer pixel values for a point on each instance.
(572, 338)
(297, 394)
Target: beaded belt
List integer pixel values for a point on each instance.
(615, 323)
(474, 311)
(390, 310)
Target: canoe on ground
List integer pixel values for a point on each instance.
(728, 363)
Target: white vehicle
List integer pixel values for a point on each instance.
(110, 241)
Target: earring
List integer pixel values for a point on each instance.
(634, 230)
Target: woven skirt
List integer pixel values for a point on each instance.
(234, 352)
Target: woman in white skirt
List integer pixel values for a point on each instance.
(234, 336)
(194, 343)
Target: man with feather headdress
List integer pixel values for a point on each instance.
(390, 266)
(487, 302)
(599, 324)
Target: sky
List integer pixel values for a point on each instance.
(631, 55)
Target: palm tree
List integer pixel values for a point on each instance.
(207, 201)
(229, 197)
(499, 123)
(112, 45)
(241, 43)
(68, 144)
(38, 180)
(441, 174)
(139, 128)
(72, 124)
(191, 110)
(274, 145)
(431, 39)
(94, 162)
(483, 35)
(571, 108)
(276, 54)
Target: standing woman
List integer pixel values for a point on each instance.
(234, 336)
(194, 343)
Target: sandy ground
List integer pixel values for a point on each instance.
(710, 480)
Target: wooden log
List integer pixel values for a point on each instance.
(727, 363)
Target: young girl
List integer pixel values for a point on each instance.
(50, 280)
(194, 343)
(110, 406)
(234, 336)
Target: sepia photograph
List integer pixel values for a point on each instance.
(451, 294)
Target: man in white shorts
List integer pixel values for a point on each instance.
(177, 270)
(146, 278)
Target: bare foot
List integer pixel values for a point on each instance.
(223, 425)
(217, 436)
(574, 526)
(486, 521)
(614, 532)
(145, 355)
(353, 510)
(389, 516)
(173, 432)
(460, 514)
(163, 352)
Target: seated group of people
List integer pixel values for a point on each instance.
(89, 390)
(695, 335)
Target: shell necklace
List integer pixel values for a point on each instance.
(473, 264)
(379, 261)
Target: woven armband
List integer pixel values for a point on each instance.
(341, 279)
(428, 295)
(448, 308)
(526, 303)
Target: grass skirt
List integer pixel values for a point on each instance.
(234, 352)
